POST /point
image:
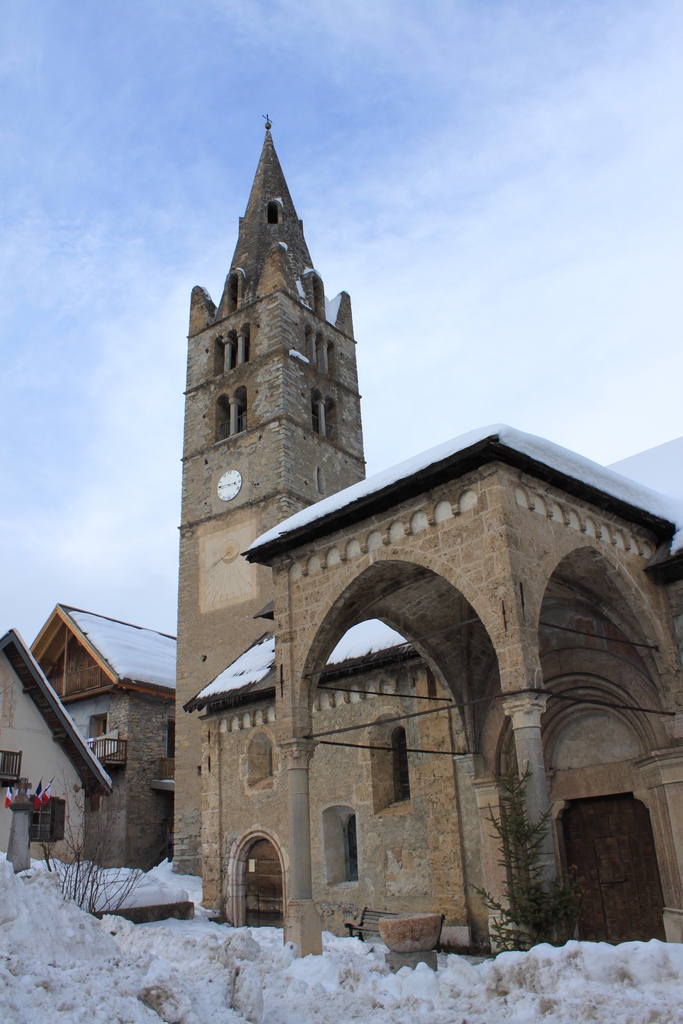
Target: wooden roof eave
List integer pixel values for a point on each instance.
(73, 627)
(39, 689)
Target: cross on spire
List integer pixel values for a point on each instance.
(269, 124)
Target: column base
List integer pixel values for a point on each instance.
(303, 927)
(673, 924)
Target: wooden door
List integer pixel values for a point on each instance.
(609, 844)
(264, 886)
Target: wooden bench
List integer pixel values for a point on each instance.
(369, 922)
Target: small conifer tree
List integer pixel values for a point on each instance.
(534, 910)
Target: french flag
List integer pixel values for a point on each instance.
(8, 797)
(46, 792)
(37, 801)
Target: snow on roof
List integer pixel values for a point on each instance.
(553, 455)
(365, 638)
(132, 651)
(251, 667)
(258, 660)
(660, 468)
(332, 309)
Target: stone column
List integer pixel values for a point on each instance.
(234, 416)
(241, 349)
(19, 847)
(661, 773)
(321, 418)
(525, 710)
(302, 922)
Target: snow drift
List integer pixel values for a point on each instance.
(60, 965)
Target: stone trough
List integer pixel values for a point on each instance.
(411, 939)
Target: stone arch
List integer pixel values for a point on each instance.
(596, 581)
(235, 899)
(422, 606)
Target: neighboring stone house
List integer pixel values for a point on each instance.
(39, 741)
(118, 682)
(537, 599)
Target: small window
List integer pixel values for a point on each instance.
(341, 845)
(243, 340)
(98, 726)
(219, 352)
(238, 412)
(47, 823)
(400, 759)
(170, 738)
(273, 212)
(222, 418)
(431, 683)
(233, 292)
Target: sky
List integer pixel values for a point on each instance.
(496, 184)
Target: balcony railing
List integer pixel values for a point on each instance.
(10, 764)
(241, 426)
(316, 426)
(167, 767)
(111, 753)
(78, 680)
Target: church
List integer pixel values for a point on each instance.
(354, 654)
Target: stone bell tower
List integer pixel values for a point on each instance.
(272, 424)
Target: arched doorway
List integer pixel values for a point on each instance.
(263, 885)
(608, 842)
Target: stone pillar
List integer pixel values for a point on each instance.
(302, 921)
(19, 847)
(234, 416)
(661, 773)
(525, 710)
(241, 349)
(321, 418)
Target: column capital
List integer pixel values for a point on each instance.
(525, 709)
(297, 752)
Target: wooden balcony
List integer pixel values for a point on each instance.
(10, 765)
(111, 753)
(167, 767)
(78, 680)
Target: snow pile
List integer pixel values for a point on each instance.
(295, 354)
(132, 651)
(58, 964)
(251, 667)
(156, 887)
(365, 638)
(561, 459)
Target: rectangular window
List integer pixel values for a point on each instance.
(170, 738)
(47, 824)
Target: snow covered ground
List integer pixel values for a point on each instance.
(59, 965)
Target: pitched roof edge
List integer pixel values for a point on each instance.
(488, 449)
(77, 750)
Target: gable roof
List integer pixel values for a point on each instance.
(498, 443)
(123, 650)
(58, 719)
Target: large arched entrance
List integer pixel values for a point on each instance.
(603, 717)
(263, 886)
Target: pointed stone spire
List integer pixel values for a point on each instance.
(270, 220)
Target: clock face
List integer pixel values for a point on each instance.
(229, 485)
